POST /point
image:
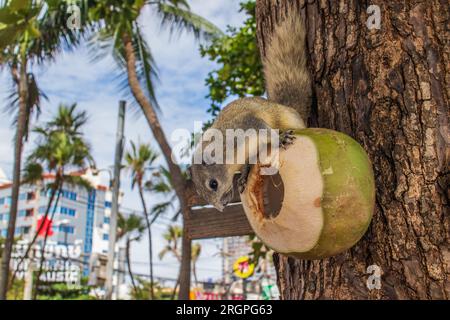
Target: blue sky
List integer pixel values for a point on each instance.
(181, 93)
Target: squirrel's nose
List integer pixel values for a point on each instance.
(219, 206)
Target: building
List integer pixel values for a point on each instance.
(261, 285)
(80, 216)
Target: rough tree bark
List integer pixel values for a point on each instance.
(389, 89)
(21, 79)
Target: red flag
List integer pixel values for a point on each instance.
(47, 228)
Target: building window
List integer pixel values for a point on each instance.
(4, 217)
(67, 229)
(4, 233)
(90, 213)
(2, 201)
(69, 195)
(106, 220)
(68, 211)
(105, 236)
(31, 196)
(26, 230)
(108, 204)
(23, 196)
(26, 213)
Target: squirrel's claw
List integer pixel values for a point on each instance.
(242, 180)
(286, 138)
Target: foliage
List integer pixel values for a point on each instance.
(61, 145)
(172, 236)
(237, 54)
(144, 292)
(114, 20)
(259, 250)
(63, 291)
(131, 227)
(16, 290)
(32, 31)
(161, 183)
(138, 160)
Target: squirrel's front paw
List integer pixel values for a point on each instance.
(286, 138)
(242, 180)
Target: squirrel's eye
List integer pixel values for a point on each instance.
(213, 184)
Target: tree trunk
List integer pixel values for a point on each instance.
(178, 181)
(388, 89)
(127, 253)
(59, 187)
(194, 272)
(149, 233)
(28, 283)
(36, 235)
(18, 147)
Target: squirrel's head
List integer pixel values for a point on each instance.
(214, 183)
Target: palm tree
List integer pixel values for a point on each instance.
(172, 237)
(131, 228)
(119, 30)
(31, 31)
(139, 159)
(196, 250)
(61, 149)
(32, 175)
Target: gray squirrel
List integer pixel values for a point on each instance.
(287, 79)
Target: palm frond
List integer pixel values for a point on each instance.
(78, 181)
(32, 173)
(33, 104)
(108, 42)
(179, 19)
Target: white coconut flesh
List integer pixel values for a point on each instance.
(297, 226)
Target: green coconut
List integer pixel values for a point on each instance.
(321, 201)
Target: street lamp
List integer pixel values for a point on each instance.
(63, 223)
(96, 172)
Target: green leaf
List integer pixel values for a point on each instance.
(7, 16)
(17, 5)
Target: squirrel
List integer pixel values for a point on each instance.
(288, 82)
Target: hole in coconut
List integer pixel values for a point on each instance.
(273, 195)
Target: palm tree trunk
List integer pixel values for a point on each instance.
(41, 261)
(21, 124)
(179, 182)
(127, 252)
(194, 272)
(174, 293)
(150, 249)
(30, 245)
(28, 284)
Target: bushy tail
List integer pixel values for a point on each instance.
(285, 66)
